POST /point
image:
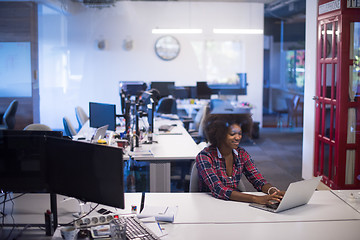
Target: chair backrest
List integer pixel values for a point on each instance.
(37, 127)
(167, 105)
(9, 115)
(68, 127)
(194, 179)
(206, 112)
(81, 116)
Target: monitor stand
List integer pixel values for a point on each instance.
(53, 208)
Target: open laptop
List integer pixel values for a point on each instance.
(100, 133)
(297, 194)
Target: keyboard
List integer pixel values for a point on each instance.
(135, 229)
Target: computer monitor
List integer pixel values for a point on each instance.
(181, 93)
(165, 88)
(102, 114)
(203, 91)
(23, 165)
(132, 88)
(89, 172)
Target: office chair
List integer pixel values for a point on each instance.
(8, 119)
(81, 116)
(295, 110)
(197, 133)
(37, 127)
(167, 105)
(68, 127)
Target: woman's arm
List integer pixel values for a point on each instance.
(275, 195)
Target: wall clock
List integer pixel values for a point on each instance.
(167, 48)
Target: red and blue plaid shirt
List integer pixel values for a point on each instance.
(212, 172)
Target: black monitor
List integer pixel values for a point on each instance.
(181, 93)
(132, 88)
(203, 91)
(165, 88)
(102, 114)
(23, 165)
(89, 172)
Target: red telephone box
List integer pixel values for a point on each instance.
(337, 123)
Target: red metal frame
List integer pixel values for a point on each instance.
(330, 161)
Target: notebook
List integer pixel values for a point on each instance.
(100, 133)
(297, 194)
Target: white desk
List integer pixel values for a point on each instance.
(200, 216)
(178, 145)
(351, 197)
(203, 208)
(330, 230)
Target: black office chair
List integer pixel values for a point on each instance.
(8, 119)
(167, 105)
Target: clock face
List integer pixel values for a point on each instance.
(167, 48)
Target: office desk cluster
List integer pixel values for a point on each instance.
(328, 215)
(176, 145)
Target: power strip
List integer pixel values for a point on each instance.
(90, 221)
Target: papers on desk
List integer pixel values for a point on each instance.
(161, 213)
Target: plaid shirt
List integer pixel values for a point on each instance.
(212, 172)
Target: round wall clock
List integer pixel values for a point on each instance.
(167, 48)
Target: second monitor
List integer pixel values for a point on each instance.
(102, 114)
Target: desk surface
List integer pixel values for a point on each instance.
(199, 208)
(336, 230)
(200, 216)
(175, 145)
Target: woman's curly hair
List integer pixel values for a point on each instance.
(217, 126)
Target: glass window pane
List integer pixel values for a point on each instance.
(333, 125)
(326, 159)
(354, 81)
(329, 37)
(351, 128)
(323, 75)
(327, 120)
(350, 167)
(336, 39)
(328, 80)
(15, 69)
(335, 80)
(322, 41)
(320, 118)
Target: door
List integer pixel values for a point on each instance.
(19, 60)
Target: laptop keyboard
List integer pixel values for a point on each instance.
(135, 229)
(273, 205)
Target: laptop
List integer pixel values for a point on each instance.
(297, 194)
(100, 133)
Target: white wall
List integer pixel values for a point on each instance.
(309, 90)
(73, 71)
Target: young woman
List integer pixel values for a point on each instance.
(222, 164)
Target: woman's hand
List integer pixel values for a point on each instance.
(276, 196)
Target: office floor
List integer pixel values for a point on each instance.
(278, 155)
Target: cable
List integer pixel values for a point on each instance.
(13, 220)
(22, 194)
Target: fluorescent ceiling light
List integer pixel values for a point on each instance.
(176, 31)
(238, 31)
